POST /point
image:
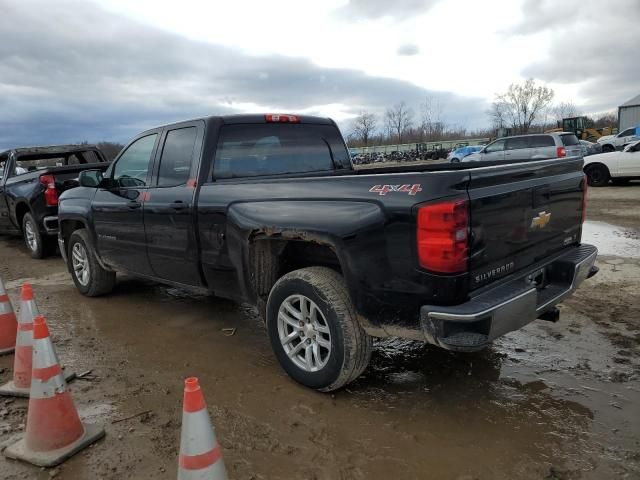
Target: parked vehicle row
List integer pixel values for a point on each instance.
(529, 147)
(268, 210)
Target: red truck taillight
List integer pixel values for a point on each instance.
(50, 192)
(561, 152)
(443, 236)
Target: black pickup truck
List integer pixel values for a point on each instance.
(268, 210)
(31, 180)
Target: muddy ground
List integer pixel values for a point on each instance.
(552, 401)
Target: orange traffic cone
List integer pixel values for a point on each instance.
(54, 430)
(19, 386)
(21, 383)
(200, 454)
(8, 323)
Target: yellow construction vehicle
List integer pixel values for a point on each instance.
(578, 125)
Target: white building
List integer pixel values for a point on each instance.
(629, 114)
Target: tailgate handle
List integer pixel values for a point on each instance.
(541, 196)
(133, 205)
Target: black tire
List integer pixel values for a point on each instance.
(39, 245)
(455, 160)
(350, 344)
(608, 148)
(598, 175)
(100, 281)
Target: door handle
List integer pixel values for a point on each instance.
(178, 205)
(133, 205)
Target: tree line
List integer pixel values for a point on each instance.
(523, 108)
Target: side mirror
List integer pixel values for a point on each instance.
(90, 178)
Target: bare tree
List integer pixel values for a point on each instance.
(564, 110)
(521, 105)
(431, 124)
(398, 119)
(364, 126)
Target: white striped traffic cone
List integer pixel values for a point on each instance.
(21, 383)
(19, 386)
(8, 323)
(200, 454)
(54, 431)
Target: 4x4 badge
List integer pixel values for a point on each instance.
(541, 220)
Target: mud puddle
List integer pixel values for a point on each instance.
(611, 239)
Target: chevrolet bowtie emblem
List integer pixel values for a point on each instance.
(541, 220)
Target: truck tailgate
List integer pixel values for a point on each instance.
(521, 214)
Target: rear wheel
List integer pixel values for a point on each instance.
(314, 331)
(598, 175)
(455, 160)
(90, 278)
(40, 246)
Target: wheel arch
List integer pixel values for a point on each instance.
(21, 209)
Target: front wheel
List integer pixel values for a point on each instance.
(598, 176)
(90, 278)
(314, 331)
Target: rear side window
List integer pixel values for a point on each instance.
(539, 141)
(569, 140)
(177, 154)
(516, 143)
(273, 149)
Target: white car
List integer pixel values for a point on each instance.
(613, 142)
(620, 167)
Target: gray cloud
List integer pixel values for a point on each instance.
(72, 71)
(594, 43)
(408, 49)
(371, 9)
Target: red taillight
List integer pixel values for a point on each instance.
(585, 189)
(50, 192)
(280, 118)
(443, 236)
(561, 152)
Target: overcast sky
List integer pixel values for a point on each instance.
(107, 69)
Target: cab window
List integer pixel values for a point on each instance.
(177, 155)
(133, 165)
(276, 149)
(516, 143)
(496, 146)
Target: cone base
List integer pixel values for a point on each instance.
(10, 390)
(19, 451)
(6, 351)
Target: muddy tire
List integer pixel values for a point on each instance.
(314, 331)
(39, 246)
(597, 175)
(90, 278)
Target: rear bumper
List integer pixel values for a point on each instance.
(510, 306)
(50, 224)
